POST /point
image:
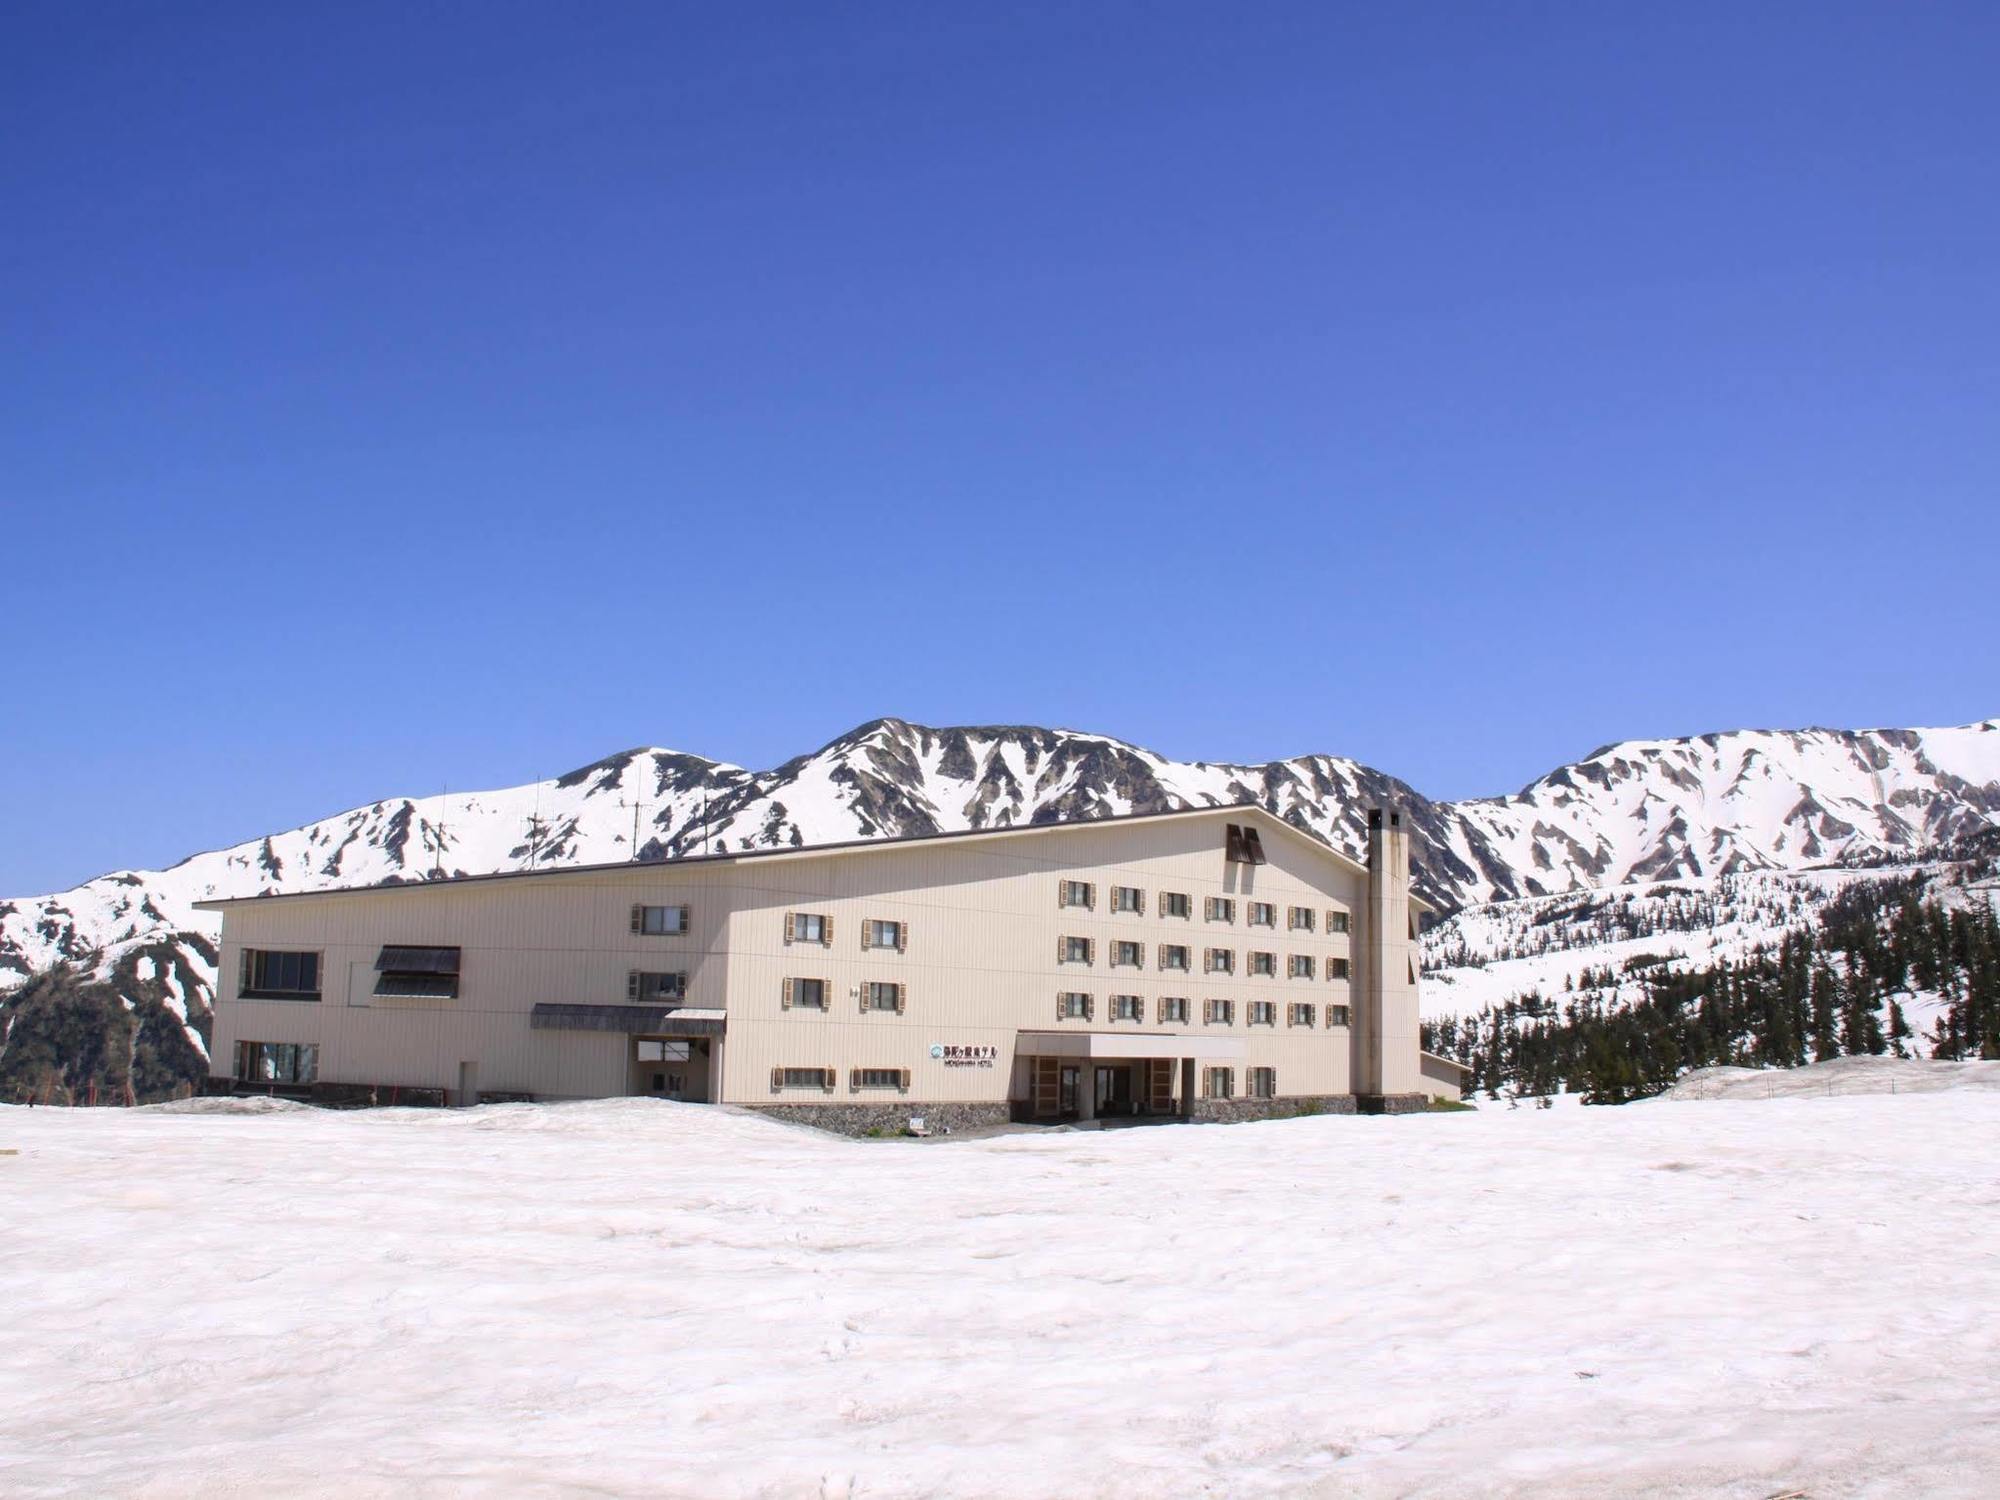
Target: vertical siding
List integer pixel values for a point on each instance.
(979, 967)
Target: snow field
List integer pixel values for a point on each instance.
(639, 1298)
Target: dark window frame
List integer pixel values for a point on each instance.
(255, 976)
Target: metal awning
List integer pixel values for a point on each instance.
(633, 1020)
(1124, 1044)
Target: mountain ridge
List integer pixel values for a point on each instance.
(1633, 811)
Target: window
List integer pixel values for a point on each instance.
(1265, 964)
(808, 927)
(805, 994)
(1299, 1014)
(876, 995)
(1072, 1005)
(1263, 1013)
(660, 921)
(1176, 904)
(1262, 1083)
(1219, 961)
(267, 974)
(1219, 909)
(1300, 919)
(802, 1078)
(277, 1062)
(651, 1051)
(1076, 950)
(1126, 955)
(1300, 966)
(1218, 1012)
(1336, 921)
(420, 973)
(1174, 956)
(1076, 893)
(879, 934)
(1336, 968)
(878, 1078)
(1127, 1008)
(1263, 914)
(1242, 846)
(1174, 1008)
(1218, 1083)
(1336, 1015)
(643, 986)
(1128, 898)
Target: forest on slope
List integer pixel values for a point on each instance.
(1841, 986)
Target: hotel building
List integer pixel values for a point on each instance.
(1215, 963)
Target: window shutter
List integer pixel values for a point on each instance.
(900, 990)
(903, 1079)
(1090, 950)
(1090, 1007)
(902, 937)
(826, 931)
(243, 970)
(1062, 893)
(1142, 901)
(867, 995)
(777, 1079)
(786, 1003)
(636, 917)
(788, 926)
(1062, 950)
(827, 1078)
(1090, 895)
(687, 917)
(867, 934)
(632, 984)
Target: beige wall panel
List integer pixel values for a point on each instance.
(980, 963)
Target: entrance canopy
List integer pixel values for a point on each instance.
(635, 1020)
(1124, 1044)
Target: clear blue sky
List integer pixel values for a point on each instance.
(403, 395)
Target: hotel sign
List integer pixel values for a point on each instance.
(965, 1057)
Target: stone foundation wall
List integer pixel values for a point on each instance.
(886, 1118)
(1393, 1104)
(1227, 1110)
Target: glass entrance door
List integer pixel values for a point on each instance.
(1066, 1101)
(1114, 1092)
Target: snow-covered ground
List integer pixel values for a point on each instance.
(634, 1298)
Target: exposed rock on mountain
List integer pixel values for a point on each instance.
(1639, 811)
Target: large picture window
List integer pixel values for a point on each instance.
(268, 974)
(277, 1062)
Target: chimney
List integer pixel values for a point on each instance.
(1385, 997)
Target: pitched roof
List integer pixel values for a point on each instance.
(808, 851)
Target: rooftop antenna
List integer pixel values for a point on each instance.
(636, 805)
(535, 826)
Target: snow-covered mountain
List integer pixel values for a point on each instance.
(1639, 811)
